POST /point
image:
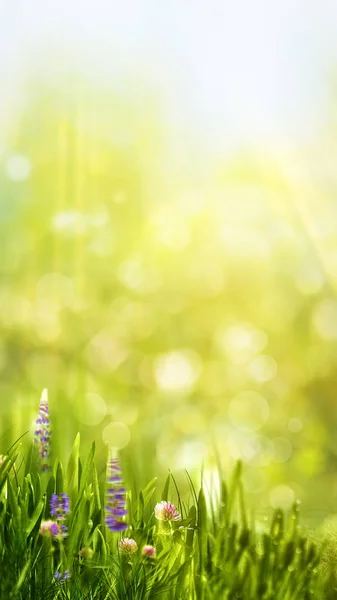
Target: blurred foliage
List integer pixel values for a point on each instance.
(191, 307)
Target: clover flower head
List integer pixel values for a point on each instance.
(115, 505)
(42, 431)
(59, 531)
(166, 511)
(59, 506)
(128, 546)
(45, 527)
(53, 529)
(86, 553)
(149, 551)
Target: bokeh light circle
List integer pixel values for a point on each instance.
(177, 371)
(18, 167)
(282, 496)
(325, 319)
(258, 450)
(56, 289)
(282, 449)
(248, 410)
(263, 368)
(295, 425)
(90, 409)
(116, 435)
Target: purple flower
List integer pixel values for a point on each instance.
(59, 506)
(62, 578)
(55, 530)
(115, 525)
(42, 431)
(115, 505)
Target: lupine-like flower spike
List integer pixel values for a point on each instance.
(42, 431)
(166, 511)
(59, 506)
(128, 546)
(115, 505)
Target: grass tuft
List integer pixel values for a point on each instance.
(212, 551)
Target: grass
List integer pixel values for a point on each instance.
(215, 551)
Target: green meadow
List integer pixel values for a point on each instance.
(181, 310)
(212, 548)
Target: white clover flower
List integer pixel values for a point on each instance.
(128, 546)
(166, 511)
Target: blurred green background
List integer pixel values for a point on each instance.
(170, 300)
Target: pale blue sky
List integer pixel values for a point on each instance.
(238, 71)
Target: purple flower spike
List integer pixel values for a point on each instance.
(55, 530)
(59, 506)
(115, 506)
(114, 525)
(42, 431)
(114, 481)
